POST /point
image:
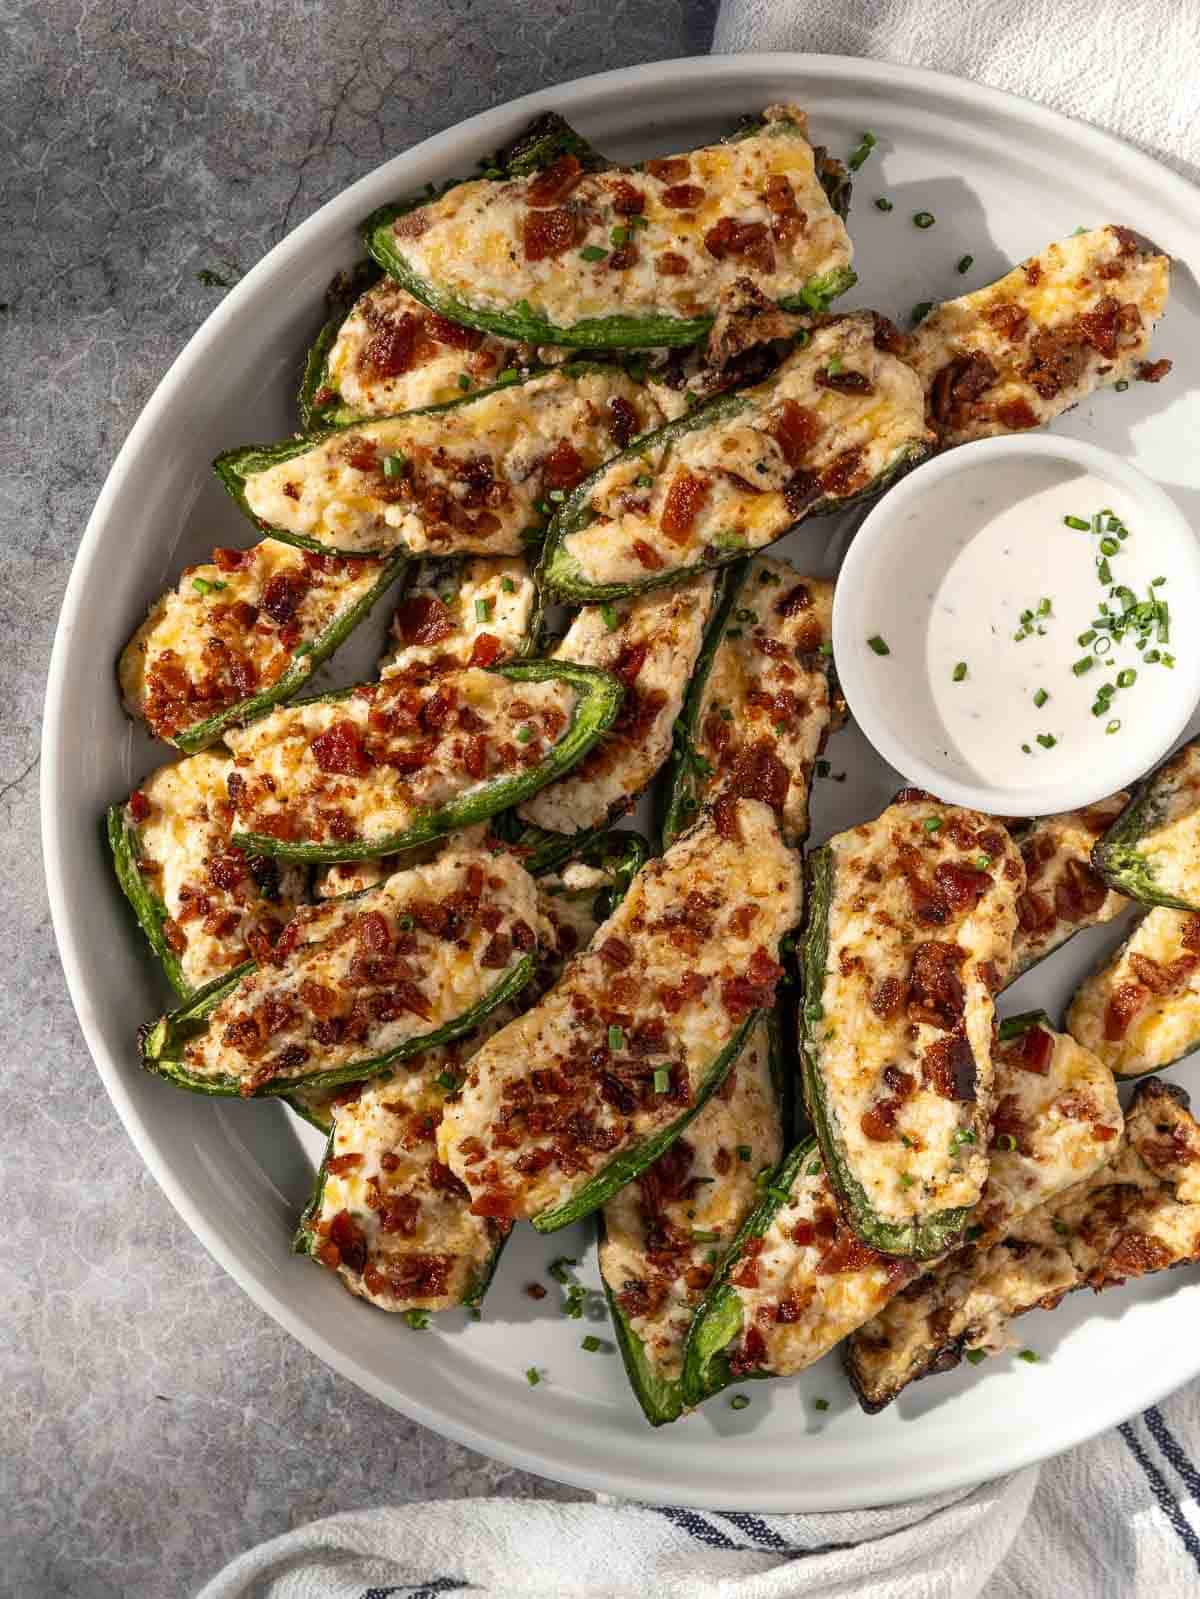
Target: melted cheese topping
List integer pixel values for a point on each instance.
(473, 242)
(658, 995)
(391, 354)
(653, 649)
(1168, 848)
(1015, 322)
(881, 923)
(475, 475)
(664, 1231)
(1132, 1026)
(302, 774)
(362, 977)
(1063, 892)
(1140, 1214)
(734, 484)
(227, 631)
(214, 898)
(461, 609)
(768, 686)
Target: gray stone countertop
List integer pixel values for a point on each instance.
(155, 1422)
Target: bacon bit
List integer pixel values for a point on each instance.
(283, 595)
(670, 265)
(616, 953)
(359, 453)
(498, 952)
(948, 1067)
(1135, 1254)
(847, 382)
(935, 992)
(139, 808)
(486, 651)
(1056, 359)
(630, 662)
(669, 169)
(555, 182)
(887, 996)
(625, 200)
(1017, 415)
(847, 1253)
(682, 196)
(750, 1353)
(684, 499)
(746, 1275)
(337, 1164)
(422, 619)
(758, 773)
(623, 421)
(349, 1243)
(748, 241)
(535, 1290)
(1008, 1122)
(1033, 272)
(845, 474)
(232, 560)
(563, 467)
(453, 334)
(958, 385)
(1153, 371)
(756, 990)
(725, 818)
(1032, 1051)
(795, 428)
(1099, 326)
(1080, 893)
(411, 225)
(803, 1234)
(339, 750)
(547, 234)
(787, 220)
(391, 349)
(1009, 321)
(174, 936)
(877, 1122)
(796, 600)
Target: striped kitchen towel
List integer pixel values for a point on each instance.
(1118, 1518)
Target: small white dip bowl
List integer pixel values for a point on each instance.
(961, 621)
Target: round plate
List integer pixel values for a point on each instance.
(1002, 178)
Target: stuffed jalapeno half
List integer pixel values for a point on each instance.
(380, 768)
(1152, 851)
(356, 984)
(835, 422)
(1063, 891)
(1140, 1009)
(1072, 319)
(582, 1093)
(204, 904)
(662, 1235)
(908, 936)
(477, 476)
(632, 257)
(762, 700)
(650, 643)
(464, 611)
(243, 634)
(1140, 1214)
(799, 1280)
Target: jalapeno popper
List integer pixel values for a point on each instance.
(583, 1092)
(358, 983)
(476, 611)
(242, 635)
(762, 699)
(204, 904)
(479, 475)
(385, 766)
(628, 256)
(1141, 1214)
(799, 1280)
(1063, 892)
(1072, 319)
(908, 935)
(661, 1236)
(1152, 851)
(650, 644)
(1140, 1009)
(836, 421)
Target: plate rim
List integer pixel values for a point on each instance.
(527, 1454)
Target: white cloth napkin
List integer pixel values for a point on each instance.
(1118, 1518)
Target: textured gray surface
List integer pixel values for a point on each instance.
(156, 1422)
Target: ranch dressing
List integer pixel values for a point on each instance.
(987, 626)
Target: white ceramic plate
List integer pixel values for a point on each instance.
(1002, 178)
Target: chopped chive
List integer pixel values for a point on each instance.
(557, 496)
(1078, 522)
(907, 1179)
(616, 1038)
(884, 204)
(1114, 726)
(619, 236)
(923, 219)
(611, 620)
(1104, 571)
(464, 381)
(592, 252)
(975, 1356)
(524, 734)
(507, 586)
(1087, 636)
(859, 155)
(533, 1376)
(959, 672)
(1040, 697)
(1006, 1141)
(418, 1320)
(203, 586)
(963, 1135)
(823, 768)
(1029, 1356)
(558, 1268)
(1047, 740)
(744, 1151)
(834, 366)
(820, 1404)
(879, 645)
(931, 824)
(1157, 582)
(1127, 678)
(921, 311)
(1103, 645)
(644, 480)
(1044, 606)
(965, 263)
(1083, 664)
(1167, 659)
(448, 1081)
(739, 1402)
(1026, 749)
(1121, 385)
(699, 1236)
(1109, 545)
(1164, 623)
(406, 924)
(509, 375)
(825, 649)
(982, 862)
(591, 1343)
(483, 610)
(662, 1080)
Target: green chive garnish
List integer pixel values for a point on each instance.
(975, 1356)
(591, 1343)
(1047, 740)
(820, 1404)
(744, 1151)
(507, 586)
(558, 1268)
(202, 585)
(879, 645)
(1109, 545)
(533, 1376)
(1078, 522)
(524, 734)
(1127, 678)
(884, 204)
(1040, 698)
(1114, 726)
(931, 824)
(464, 381)
(924, 219)
(739, 1402)
(965, 263)
(1121, 385)
(1029, 1357)
(616, 1038)
(418, 1320)
(448, 1081)
(662, 1080)
(483, 610)
(921, 311)
(859, 155)
(959, 672)
(1083, 664)
(609, 614)
(593, 252)
(619, 236)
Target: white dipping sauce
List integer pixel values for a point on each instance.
(978, 553)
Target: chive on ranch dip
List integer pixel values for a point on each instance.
(1015, 626)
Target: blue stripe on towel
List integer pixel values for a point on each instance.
(1173, 1449)
(1167, 1502)
(703, 1530)
(756, 1527)
(420, 1590)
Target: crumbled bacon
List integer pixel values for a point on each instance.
(1031, 1052)
(555, 182)
(748, 241)
(625, 199)
(391, 349)
(1100, 325)
(339, 750)
(1135, 1254)
(844, 382)
(935, 991)
(623, 421)
(1010, 321)
(422, 619)
(139, 806)
(348, 1241)
(670, 264)
(685, 497)
(682, 196)
(1153, 371)
(948, 1067)
(795, 428)
(758, 773)
(787, 220)
(958, 385)
(547, 234)
(647, 555)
